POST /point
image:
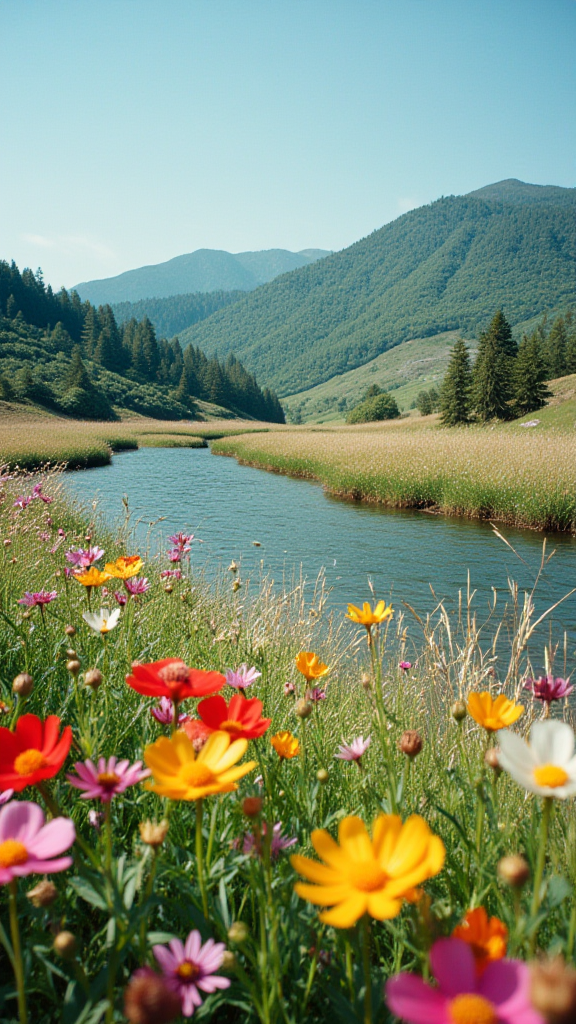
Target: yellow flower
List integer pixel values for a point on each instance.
(363, 875)
(493, 714)
(285, 744)
(365, 616)
(310, 666)
(125, 567)
(181, 774)
(92, 577)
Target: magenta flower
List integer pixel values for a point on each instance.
(242, 677)
(110, 778)
(189, 967)
(28, 846)
(175, 555)
(355, 750)
(548, 688)
(39, 597)
(37, 493)
(61, 533)
(405, 665)
(137, 586)
(500, 995)
(121, 597)
(316, 694)
(277, 843)
(164, 712)
(174, 574)
(6, 796)
(181, 540)
(23, 501)
(83, 558)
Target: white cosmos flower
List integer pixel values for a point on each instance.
(547, 764)
(104, 621)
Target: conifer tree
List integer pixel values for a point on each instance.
(492, 373)
(529, 375)
(90, 332)
(60, 340)
(78, 376)
(571, 345)
(456, 387)
(556, 345)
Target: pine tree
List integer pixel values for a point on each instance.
(556, 345)
(78, 376)
(456, 387)
(529, 390)
(90, 332)
(571, 344)
(492, 373)
(501, 331)
(60, 340)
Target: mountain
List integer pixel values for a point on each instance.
(446, 266)
(174, 314)
(205, 270)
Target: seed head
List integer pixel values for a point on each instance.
(93, 677)
(236, 585)
(149, 1000)
(366, 682)
(65, 945)
(229, 961)
(322, 776)
(491, 759)
(553, 990)
(70, 630)
(238, 932)
(252, 806)
(168, 588)
(514, 870)
(73, 667)
(153, 834)
(23, 685)
(43, 894)
(304, 708)
(71, 653)
(458, 710)
(410, 743)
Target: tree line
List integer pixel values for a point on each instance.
(507, 379)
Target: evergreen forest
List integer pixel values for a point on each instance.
(176, 313)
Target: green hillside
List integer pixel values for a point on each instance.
(176, 313)
(439, 268)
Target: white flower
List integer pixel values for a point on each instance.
(103, 622)
(547, 764)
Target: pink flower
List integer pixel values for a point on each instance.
(181, 540)
(83, 558)
(120, 597)
(164, 713)
(242, 677)
(190, 967)
(137, 586)
(43, 535)
(23, 501)
(355, 750)
(277, 843)
(175, 574)
(500, 994)
(289, 688)
(6, 796)
(175, 555)
(316, 694)
(548, 688)
(405, 665)
(61, 533)
(39, 597)
(108, 780)
(37, 493)
(95, 818)
(27, 845)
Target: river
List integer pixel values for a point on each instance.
(228, 507)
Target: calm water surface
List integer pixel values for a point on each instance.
(229, 506)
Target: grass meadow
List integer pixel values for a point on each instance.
(219, 862)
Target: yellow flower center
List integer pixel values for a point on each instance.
(104, 626)
(12, 853)
(187, 971)
(472, 1009)
(197, 774)
(550, 775)
(368, 876)
(29, 761)
(230, 725)
(108, 779)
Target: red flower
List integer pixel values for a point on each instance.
(33, 753)
(196, 732)
(172, 678)
(241, 717)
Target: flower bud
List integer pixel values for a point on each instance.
(322, 776)
(70, 630)
(229, 961)
(43, 894)
(458, 710)
(304, 708)
(491, 759)
(366, 681)
(238, 932)
(236, 585)
(27, 614)
(514, 870)
(252, 806)
(153, 834)
(149, 1000)
(553, 990)
(23, 685)
(410, 743)
(7, 542)
(93, 678)
(168, 588)
(73, 667)
(71, 654)
(65, 945)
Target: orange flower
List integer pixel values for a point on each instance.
(285, 744)
(92, 577)
(493, 714)
(125, 567)
(310, 666)
(487, 938)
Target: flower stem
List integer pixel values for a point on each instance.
(199, 859)
(367, 977)
(546, 812)
(17, 951)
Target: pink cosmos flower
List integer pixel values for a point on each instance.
(39, 597)
(61, 533)
(137, 586)
(164, 712)
(181, 540)
(174, 574)
(289, 688)
(28, 846)
(405, 665)
(6, 796)
(189, 967)
(277, 843)
(242, 677)
(548, 688)
(316, 694)
(175, 554)
(37, 493)
(95, 819)
(83, 558)
(121, 597)
(500, 994)
(23, 501)
(110, 778)
(355, 750)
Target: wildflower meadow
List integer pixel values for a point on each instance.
(221, 801)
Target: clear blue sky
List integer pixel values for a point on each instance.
(132, 131)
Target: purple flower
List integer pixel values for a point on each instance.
(106, 781)
(277, 843)
(83, 558)
(40, 597)
(355, 750)
(121, 597)
(242, 677)
(181, 540)
(316, 694)
(405, 665)
(137, 585)
(175, 555)
(548, 688)
(164, 712)
(189, 967)
(174, 574)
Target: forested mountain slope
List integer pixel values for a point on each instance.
(442, 267)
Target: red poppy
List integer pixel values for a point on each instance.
(241, 717)
(172, 678)
(33, 753)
